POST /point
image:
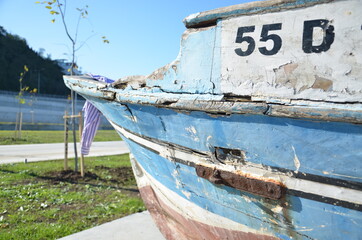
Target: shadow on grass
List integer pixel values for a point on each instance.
(72, 177)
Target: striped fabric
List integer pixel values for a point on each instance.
(92, 119)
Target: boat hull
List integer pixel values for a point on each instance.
(167, 210)
(255, 130)
(319, 193)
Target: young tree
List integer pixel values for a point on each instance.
(21, 101)
(59, 8)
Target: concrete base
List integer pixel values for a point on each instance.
(138, 226)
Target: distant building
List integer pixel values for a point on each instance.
(41, 52)
(65, 65)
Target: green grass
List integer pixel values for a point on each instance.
(34, 137)
(40, 201)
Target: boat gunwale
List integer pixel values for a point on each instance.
(211, 17)
(220, 104)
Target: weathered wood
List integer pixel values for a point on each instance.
(264, 101)
(309, 53)
(80, 137)
(72, 116)
(20, 124)
(82, 165)
(221, 104)
(16, 125)
(211, 17)
(65, 141)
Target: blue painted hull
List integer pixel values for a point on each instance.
(255, 130)
(329, 150)
(269, 141)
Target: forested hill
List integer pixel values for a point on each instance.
(15, 54)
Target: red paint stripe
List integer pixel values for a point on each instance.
(174, 226)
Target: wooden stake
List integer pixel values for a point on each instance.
(16, 125)
(82, 165)
(20, 124)
(80, 138)
(80, 125)
(65, 141)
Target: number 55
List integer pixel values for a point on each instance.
(263, 38)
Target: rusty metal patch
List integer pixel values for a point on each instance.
(259, 187)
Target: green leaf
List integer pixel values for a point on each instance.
(54, 12)
(105, 40)
(26, 68)
(53, 20)
(48, 7)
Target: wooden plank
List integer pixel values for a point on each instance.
(65, 141)
(80, 137)
(210, 17)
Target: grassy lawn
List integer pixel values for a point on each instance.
(34, 137)
(41, 201)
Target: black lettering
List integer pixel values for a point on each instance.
(240, 38)
(328, 37)
(275, 38)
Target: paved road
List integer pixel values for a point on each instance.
(52, 151)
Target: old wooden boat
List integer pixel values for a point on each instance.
(254, 131)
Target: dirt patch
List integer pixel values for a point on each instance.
(70, 175)
(99, 174)
(117, 178)
(118, 174)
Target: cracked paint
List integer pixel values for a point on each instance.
(332, 73)
(296, 160)
(293, 84)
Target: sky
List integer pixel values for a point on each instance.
(143, 35)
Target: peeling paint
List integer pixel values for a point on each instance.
(296, 160)
(178, 184)
(306, 230)
(277, 209)
(161, 72)
(322, 83)
(191, 130)
(333, 74)
(210, 90)
(135, 82)
(250, 8)
(175, 173)
(187, 194)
